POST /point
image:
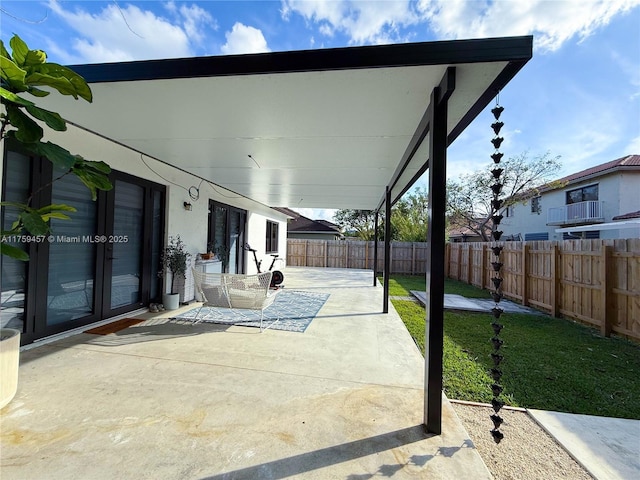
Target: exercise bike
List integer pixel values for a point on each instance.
(277, 277)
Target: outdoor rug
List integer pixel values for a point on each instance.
(292, 310)
(114, 327)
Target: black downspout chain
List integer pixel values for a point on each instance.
(496, 278)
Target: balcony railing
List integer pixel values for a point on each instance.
(576, 213)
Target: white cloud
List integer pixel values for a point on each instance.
(316, 213)
(194, 19)
(633, 148)
(123, 33)
(244, 39)
(551, 23)
(362, 21)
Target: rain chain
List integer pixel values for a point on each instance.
(496, 278)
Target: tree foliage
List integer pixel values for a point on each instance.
(469, 198)
(357, 223)
(408, 219)
(410, 216)
(23, 71)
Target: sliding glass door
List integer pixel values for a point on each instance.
(101, 263)
(227, 235)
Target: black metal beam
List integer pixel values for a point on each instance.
(447, 86)
(435, 262)
(387, 251)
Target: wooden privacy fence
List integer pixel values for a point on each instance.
(406, 257)
(594, 281)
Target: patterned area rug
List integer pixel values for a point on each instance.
(292, 310)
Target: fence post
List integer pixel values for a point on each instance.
(447, 260)
(366, 255)
(483, 261)
(607, 317)
(555, 281)
(525, 283)
(326, 247)
(304, 255)
(346, 254)
(413, 258)
(391, 257)
(459, 275)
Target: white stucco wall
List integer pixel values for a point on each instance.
(620, 192)
(191, 225)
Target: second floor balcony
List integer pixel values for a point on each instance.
(577, 213)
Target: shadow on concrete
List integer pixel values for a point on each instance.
(317, 459)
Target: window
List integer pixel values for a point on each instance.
(583, 194)
(529, 237)
(272, 237)
(508, 211)
(535, 205)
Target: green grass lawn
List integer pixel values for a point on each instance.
(550, 363)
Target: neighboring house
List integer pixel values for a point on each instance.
(587, 205)
(464, 234)
(302, 227)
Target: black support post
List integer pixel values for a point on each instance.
(435, 262)
(375, 249)
(387, 249)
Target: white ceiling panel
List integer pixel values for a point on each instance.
(324, 128)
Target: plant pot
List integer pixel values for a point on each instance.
(171, 301)
(9, 361)
(206, 256)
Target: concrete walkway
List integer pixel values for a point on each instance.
(167, 400)
(460, 303)
(608, 448)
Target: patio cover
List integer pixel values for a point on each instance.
(337, 128)
(303, 129)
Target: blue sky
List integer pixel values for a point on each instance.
(579, 97)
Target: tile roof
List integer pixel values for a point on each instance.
(300, 223)
(627, 216)
(622, 162)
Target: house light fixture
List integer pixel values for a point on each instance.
(187, 206)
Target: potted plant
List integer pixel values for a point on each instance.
(174, 259)
(9, 361)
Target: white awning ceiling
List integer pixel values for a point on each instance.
(329, 129)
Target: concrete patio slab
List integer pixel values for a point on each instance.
(166, 399)
(608, 448)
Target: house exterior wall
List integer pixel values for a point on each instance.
(618, 191)
(192, 226)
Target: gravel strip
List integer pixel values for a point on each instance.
(527, 452)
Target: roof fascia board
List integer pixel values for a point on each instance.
(376, 56)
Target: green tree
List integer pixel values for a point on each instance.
(469, 198)
(357, 223)
(23, 71)
(410, 217)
